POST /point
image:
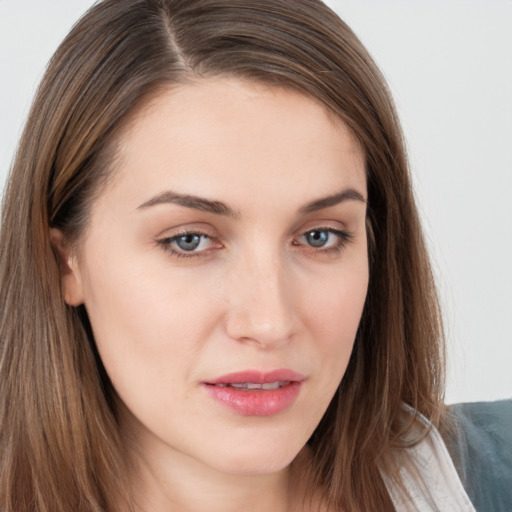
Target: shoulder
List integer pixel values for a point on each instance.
(428, 479)
(480, 444)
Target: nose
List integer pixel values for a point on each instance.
(261, 303)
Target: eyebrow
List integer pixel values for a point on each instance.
(220, 208)
(194, 202)
(348, 194)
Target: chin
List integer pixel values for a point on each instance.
(254, 454)
(251, 464)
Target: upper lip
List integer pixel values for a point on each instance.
(258, 377)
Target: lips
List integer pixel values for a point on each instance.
(256, 393)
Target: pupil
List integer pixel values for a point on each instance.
(318, 238)
(188, 242)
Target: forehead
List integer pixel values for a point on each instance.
(217, 136)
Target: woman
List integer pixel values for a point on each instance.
(211, 224)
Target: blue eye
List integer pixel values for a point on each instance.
(188, 242)
(325, 239)
(317, 238)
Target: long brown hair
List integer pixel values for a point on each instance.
(59, 437)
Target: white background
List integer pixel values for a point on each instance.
(449, 65)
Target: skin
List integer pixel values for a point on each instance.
(254, 294)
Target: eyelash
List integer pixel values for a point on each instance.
(166, 244)
(344, 238)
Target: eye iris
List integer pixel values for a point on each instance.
(188, 242)
(317, 238)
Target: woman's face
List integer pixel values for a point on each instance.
(224, 272)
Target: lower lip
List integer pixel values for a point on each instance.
(255, 402)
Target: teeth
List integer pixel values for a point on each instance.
(253, 385)
(271, 385)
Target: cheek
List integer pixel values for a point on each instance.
(145, 326)
(332, 312)
(335, 306)
(337, 314)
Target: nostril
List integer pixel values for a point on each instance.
(262, 327)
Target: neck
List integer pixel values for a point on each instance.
(163, 479)
(163, 485)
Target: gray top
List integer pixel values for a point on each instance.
(481, 450)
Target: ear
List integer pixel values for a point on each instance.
(70, 277)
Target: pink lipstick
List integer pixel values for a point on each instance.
(256, 393)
